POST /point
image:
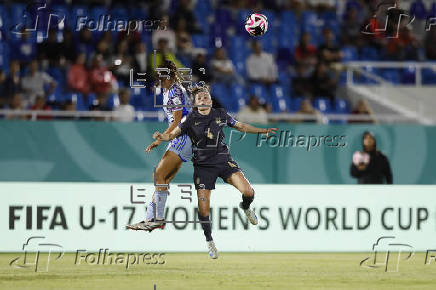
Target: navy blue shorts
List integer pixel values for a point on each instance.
(205, 175)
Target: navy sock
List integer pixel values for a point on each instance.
(207, 229)
(246, 201)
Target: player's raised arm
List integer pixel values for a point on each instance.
(247, 128)
(167, 136)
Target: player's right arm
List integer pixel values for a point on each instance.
(181, 129)
(177, 115)
(158, 136)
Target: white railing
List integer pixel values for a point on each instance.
(143, 115)
(406, 104)
(356, 66)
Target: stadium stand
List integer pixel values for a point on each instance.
(210, 28)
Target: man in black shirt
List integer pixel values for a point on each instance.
(212, 159)
(375, 170)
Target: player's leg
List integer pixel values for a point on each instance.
(203, 196)
(204, 179)
(165, 171)
(238, 180)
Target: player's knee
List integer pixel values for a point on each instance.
(248, 191)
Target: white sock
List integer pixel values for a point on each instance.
(160, 200)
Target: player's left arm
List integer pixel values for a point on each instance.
(247, 128)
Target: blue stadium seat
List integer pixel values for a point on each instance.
(219, 90)
(322, 105)
(391, 75)
(200, 40)
(260, 91)
(418, 9)
(408, 75)
(433, 10)
(365, 80)
(119, 13)
(76, 98)
(369, 53)
(238, 92)
(428, 76)
(296, 104)
(278, 92)
(76, 12)
(281, 105)
(4, 17)
(342, 106)
(349, 53)
(240, 22)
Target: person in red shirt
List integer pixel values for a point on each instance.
(305, 53)
(78, 79)
(40, 105)
(101, 78)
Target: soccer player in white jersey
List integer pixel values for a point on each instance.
(176, 107)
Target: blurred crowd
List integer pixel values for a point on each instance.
(294, 67)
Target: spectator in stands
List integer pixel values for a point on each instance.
(121, 63)
(125, 112)
(13, 80)
(223, 69)
(16, 105)
(68, 47)
(23, 49)
(351, 29)
(371, 166)
(78, 78)
(101, 78)
(183, 38)
(261, 66)
(403, 47)
(200, 68)
(253, 112)
(104, 49)
(162, 53)
(100, 103)
(301, 83)
(306, 108)
(34, 83)
(40, 105)
(140, 58)
(69, 106)
(50, 50)
(329, 52)
(166, 33)
(305, 53)
(323, 84)
(85, 43)
(363, 109)
(184, 11)
(430, 47)
(4, 100)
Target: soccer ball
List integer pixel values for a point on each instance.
(256, 24)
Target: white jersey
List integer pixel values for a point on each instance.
(172, 98)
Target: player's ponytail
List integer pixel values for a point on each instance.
(174, 73)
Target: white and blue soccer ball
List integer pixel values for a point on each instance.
(256, 24)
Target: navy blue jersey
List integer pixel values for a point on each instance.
(207, 136)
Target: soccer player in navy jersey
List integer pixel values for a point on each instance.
(212, 158)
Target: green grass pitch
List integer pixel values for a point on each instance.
(230, 271)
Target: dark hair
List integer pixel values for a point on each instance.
(174, 74)
(199, 89)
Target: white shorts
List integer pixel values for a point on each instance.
(182, 146)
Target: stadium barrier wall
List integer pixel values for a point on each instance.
(299, 154)
(340, 218)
